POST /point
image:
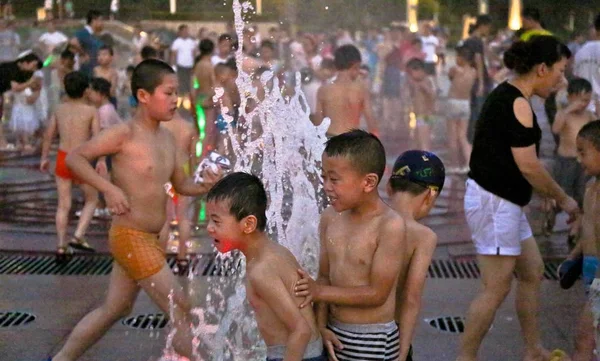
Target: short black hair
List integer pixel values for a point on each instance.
(76, 83)
(148, 52)
(130, 69)
(93, 15)
(578, 86)
(181, 27)
(415, 64)
(466, 53)
(225, 37)
(246, 196)
(148, 75)
(482, 20)
(328, 64)
(206, 47)
(101, 86)
(523, 56)
(591, 133)
(107, 48)
(232, 64)
(363, 149)
(346, 56)
(405, 185)
(532, 13)
(268, 44)
(67, 54)
(28, 58)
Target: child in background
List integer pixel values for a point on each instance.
(416, 182)
(100, 97)
(236, 208)
(462, 77)
(29, 109)
(64, 66)
(105, 70)
(422, 102)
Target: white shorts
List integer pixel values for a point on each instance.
(497, 226)
(458, 109)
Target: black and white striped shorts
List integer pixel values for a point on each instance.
(370, 342)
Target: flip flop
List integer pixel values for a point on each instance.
(63, 255)
(82, 245)
(569, 272)
(558, 355)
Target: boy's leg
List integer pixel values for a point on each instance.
(452, 125)
(530, 270)
(63, 188)
(424, 137)
(497, 276)
(158, 287)
(185, 226)
(87, 212)
(463, 141)
(584, 337)
(122, 292)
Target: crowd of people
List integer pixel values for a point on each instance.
(118, 126)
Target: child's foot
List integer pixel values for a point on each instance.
(81, 244)
(569, 272)
(63, 255)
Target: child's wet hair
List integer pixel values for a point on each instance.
(591, 133)
(148, 75)
(148, 52)
(107, 48)
(404, 185)
(76, 83)
(363, 149)
(466, 53)
(346, 56)
(245, 194)
(67, 55)
(579, 86)
(206, 47)
(415, 64)
(101, 86)
(328, 64)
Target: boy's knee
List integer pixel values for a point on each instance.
(534, 274)
(497, 292)
(116, 312)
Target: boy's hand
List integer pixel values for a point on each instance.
(210, 178)
(305, 287)
(570, 206)
(116, 201)
(44, 165)
(331, 343)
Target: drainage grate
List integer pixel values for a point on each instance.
(15, 318)
(451, 324)
(150, 321)
(100, 265)
(468, 269)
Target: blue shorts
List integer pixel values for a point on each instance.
(590, 266)
(222, 124)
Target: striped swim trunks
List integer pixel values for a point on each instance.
(368, 342)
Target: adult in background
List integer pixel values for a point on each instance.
(532, 24)
(52, 38)
(483, 84)
(86, 42)
(431, 45)
(182, 56)
(505, 169)
(10, 42)
(587, 63)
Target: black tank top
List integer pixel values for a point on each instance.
(497, 130)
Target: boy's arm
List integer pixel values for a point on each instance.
(410, 301)
(46, 142)
(114, 82)
(95, 71)
(368, 113)
(386, 267)
(451, 73)
(559, 121)
(319, 114)
(95, 129)
(184, 184)
(275, 294)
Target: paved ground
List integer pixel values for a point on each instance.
(28, 202)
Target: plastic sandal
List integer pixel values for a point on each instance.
(569, 272)
(63, 254)
(81, 244)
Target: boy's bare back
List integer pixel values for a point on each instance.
(351, 247)
(423, 97)
(184, 133)
(462, 79)
(343, 103)
(75, 121)
(205, 75)
(276, 268)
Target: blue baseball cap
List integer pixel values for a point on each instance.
(420, 167)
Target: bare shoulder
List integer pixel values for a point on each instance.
(523, 112)
(424, 236)
(392, 224)
(328, 215)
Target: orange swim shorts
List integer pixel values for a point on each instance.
(61, 169)
(137, 252)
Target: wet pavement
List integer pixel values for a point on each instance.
(28, 203)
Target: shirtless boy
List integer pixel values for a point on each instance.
(416, 181)
(185, 141)
(345, 99)
(422, 101)
(202, 91)
(105, 70)
(75, 122)
(236, 207)
(462, 77)
(145, 158)
(363, 254)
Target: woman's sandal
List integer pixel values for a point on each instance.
(81, 244)
(183, 266)
(63, 254)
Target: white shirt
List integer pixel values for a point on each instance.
(430, 44)
(216, 59)
(587, 66)
(185, 52)
(51, 40)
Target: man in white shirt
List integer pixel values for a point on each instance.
(224, 50)
(52, 38)
(430, 48)
(587, 66)
(183, 51)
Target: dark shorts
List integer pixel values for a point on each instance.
(184, 76)
(570, 177)
(430, 68)
(392, 80)
(318, 358)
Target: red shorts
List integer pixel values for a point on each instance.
(61, 169)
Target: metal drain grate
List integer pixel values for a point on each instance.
(450, 324)
(15, 318)
(468, 269)
(151, 321)
(100, 265)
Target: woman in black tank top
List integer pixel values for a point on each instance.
(504, 171)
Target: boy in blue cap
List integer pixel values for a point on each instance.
(416, 181)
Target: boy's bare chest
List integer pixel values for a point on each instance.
(351, 246)
(151, 159)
